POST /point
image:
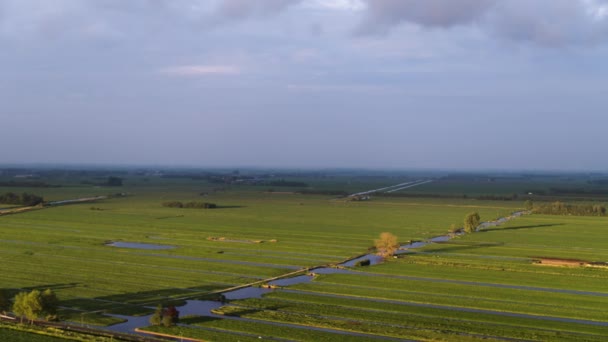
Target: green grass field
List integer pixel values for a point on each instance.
(481, 286)
(20, 336)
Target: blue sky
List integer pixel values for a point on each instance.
(461, 84)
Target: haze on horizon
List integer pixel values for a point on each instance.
(460, 84)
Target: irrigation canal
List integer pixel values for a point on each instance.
(205, 308)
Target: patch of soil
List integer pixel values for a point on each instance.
(567, 262)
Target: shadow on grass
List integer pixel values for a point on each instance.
(140, 303)
(450, 247)
(522, 227)
(230, 206)
(10, 293)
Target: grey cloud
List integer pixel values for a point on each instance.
(383, 14)
(542, 22)
(61, 17)
(550, 22)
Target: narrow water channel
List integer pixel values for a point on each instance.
(204, 308)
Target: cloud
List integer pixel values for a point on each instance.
(550, 22)
(240, 9)
(542, 22)
(200, 70)
(64, 17)
(383, 14)
(350, 5)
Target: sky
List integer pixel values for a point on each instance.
(396, 84)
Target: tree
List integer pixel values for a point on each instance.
(529, 205)
(157, 317)
(471, 221)
(28, 305)
(599, 210)
(167, 317)
(49, 304)
(35, 304)
(170, 316)
(23, 199)
(386, 245)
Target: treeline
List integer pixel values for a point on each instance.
(568, 192)
(236, 179)
(509, 197)
(23, 199)
(560, 208)
(109, 181)
(190, 205)
(213, 178)
(32, 305)
(324, 192)
(28, 184)
(283, 182)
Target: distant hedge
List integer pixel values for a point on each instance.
(28, 184)
(283, 182)
(190, 205)
(560, 208)
(23, 199)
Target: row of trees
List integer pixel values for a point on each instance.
(190, 205)
(560, 208)
(32, 305)
(21, 199)
(283, 182)
(165, 316)
(387, 244)
(113, 181)
(27, 184)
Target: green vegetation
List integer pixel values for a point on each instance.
(165, 316)
(189, 205)
(35, 304)
(23, 199)
(12, 335)
(481, 286)
(471, 222)
(113, 181)
(560, 208)
(29, 333)
(214, 329)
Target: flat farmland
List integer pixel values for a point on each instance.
(252, 236)
(482, 286)
(479, 286)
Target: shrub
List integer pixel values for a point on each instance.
(364, 262)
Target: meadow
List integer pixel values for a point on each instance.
(481, 286)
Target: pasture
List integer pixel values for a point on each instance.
(478, 286)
